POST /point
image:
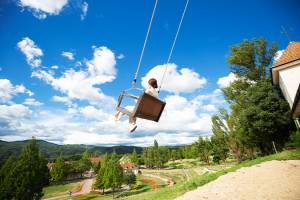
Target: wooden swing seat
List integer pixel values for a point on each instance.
(147, 106)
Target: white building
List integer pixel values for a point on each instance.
(286, 74)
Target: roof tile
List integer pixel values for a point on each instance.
(291, 53)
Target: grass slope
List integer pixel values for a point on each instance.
(169, 193)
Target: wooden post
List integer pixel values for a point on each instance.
(297, 123)
(274, 147)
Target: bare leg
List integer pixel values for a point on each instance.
(132, 120)
(118, 115)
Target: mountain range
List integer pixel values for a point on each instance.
(51, 150)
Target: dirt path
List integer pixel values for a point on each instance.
(273, 180)
(168, 181)
(86, 187)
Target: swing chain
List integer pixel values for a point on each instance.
(173, 45)
(133, 83)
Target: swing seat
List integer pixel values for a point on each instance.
(147, 106)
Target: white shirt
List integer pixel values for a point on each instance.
(152, 91)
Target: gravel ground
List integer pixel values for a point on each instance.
(272, 180)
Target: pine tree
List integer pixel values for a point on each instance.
(58, 171)
(129, 178)
(30, 174)
(84, 163)
(134, 157)
(7, 189)
(102, 174)
(116, 172)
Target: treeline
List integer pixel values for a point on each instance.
(203, 149)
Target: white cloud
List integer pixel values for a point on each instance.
(226, 80)
(102, 66)
(68, 55)
(31, 51)
(181, 123)
(42, 8)
(121, 56)
(91, 112)
(13, 112)
(32, 102)
(8, 90)
(84, 8)
(278, 55)
(81, 84)
(61, 99)
(176, 81)
(54, 67)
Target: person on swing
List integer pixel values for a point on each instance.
(152, 86)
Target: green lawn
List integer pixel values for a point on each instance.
(57, 190)
(168, 193)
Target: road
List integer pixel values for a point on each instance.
(86, 187)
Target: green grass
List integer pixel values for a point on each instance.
(169, 193)
(56, 190)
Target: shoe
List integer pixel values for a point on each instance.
(133, 127)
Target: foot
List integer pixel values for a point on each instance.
(133, 127)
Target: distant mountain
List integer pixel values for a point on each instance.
(51, 150)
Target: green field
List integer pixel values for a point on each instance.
(188, 179)
(57, 190)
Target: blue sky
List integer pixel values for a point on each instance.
(63, 64)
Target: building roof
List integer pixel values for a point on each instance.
(291, 53)
(128, 165)
(95, 160)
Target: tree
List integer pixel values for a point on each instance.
(29, 175)
(84, 163)
(134, 157)
(204, 149)
(58, 171)
(258, 115)
(252, 58)
(266, 118)
(155, 156)
(100, 180)
(219, 139)
(129, 178)
(115, 173)
(7, 189)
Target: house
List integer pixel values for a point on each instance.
(286, 73)
(128, 166)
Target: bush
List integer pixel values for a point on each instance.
(294, 140)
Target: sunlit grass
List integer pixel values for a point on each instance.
(57, 190)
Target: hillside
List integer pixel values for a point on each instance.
(51, 150)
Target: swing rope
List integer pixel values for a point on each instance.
(144, 46)
(173, 45)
